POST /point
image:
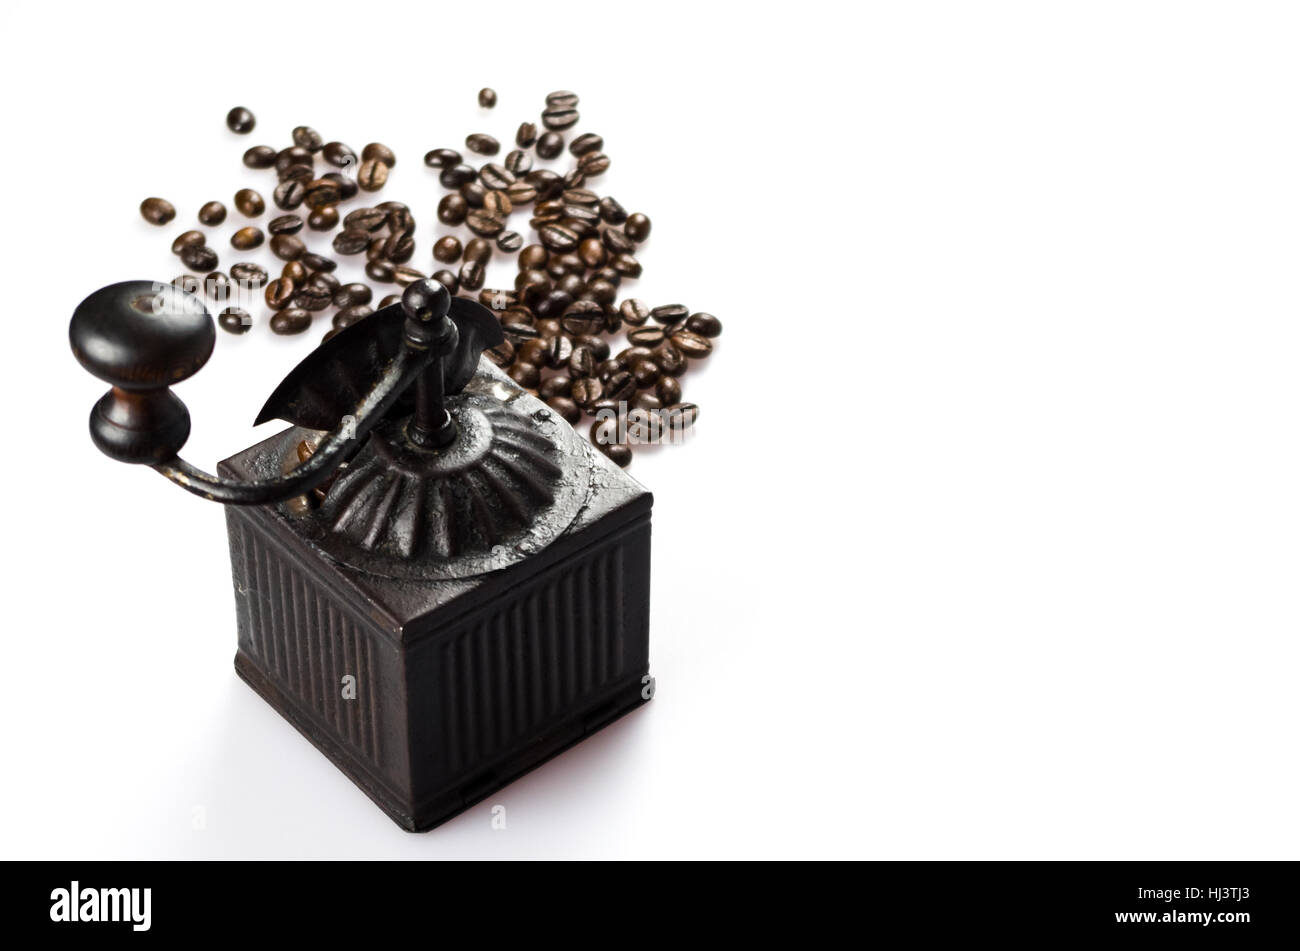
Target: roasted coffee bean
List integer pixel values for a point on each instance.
(611, 212)
(380, 270)
(550, 145)
(587, 142)
(247, 273)
(554, 304)
(339, 155)
(526, 135)
(510, 241)
(247, 238)
(549, 326)
(628, 357)
(482, 143)
(620, 386)
(646, 374)
(291, 320)
(187, 283)
(521, 332)
(442, 158)
(518, 162)
(240, 120)
(586, 390)
(447, 249)
(249, 203)
(285, 224)
(557, 237)
(592, 252)
(400, 247)
(647, 400)
(557, 384)
(323, 281)
(447, 279)
(521, 193)
(289, 194)
(323, 218)
(405, 276)
(351, 241)
(497, 298)
(497, 203)
(503, 354)
(583, 317)
(297, 172)
(593, 164)
(564, 408)
(471, 275)
(616, 241)
(533, 257)
(455, 176)
(626, 264)
(351, 295)
(562, 97)
(692, 345)
(347, 186)
(532, 351)
(287, 247)
(478, 249)
(260, 156)
(292, 155)
(646, 336)
(580, 196)
(574, 178)
(157, 211)
(573, 285)
(487, 97)
(452, 209)
(234, 320)
(598, 346)
(318, 262)
(604, 430)
(188, 239)
(559, 117)
(582, 362)
(308, 138)
(310, 301)
(279, 292)
(365, 219)
(295, 271)
(212, 214)
(372, 175)
(390, 299)
(637, 227)
(350, 315)
(558, 351)
(322, 192)
(569, 262)
(617, 453)
(706, 325)
(669, 313)
(525, 374)
(603, 292)
(199, 257)
(514, 312)
(670, 359)
(379, 152)
(607, 368)
(580, 213)
(217, 286)
(679, 416)
(494, 176)
(483, 224)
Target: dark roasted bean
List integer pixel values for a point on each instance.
(308, 138)
(483, 224)
(372, 174)
(453, 176)
(521, 193)
(647, 400)
(494, 176)
(199, 257)
(553, 304)
(593, 164)
(234, 320)
(285, 224)
(380, 270)
(249, 203)
(526, 135)
(692, 345)
(611, 212)
(350, 315)
(679, 416)
(406, 276)
(580, 196)
(557, 384)
(452, 209)
(379, 152)
(514, 313)
(603, 292)
(565, 408)
(297, 172)
(447, 249)
(478, 249)
(247, 238)
(582, 362)
(323, 218)
(573, 285)
(471, 275)
(587, 142)
(351, 295)
(562, 97)
(157, 211)
(447, 279)
(217, 286)
(558, 351)
(618, 453)
(365, 219)
(706, 325)
(188, 239)
(626, 264)
(289, 194)
(550, 145)
(291, 320)
(574, 178)
(442, 158)
(637, 227)
(322, 192)
(669, 313)
(497, 203)
(260, 156)
(351, 241)
(487, 97)
(212, 214)
(287, 247)
(630, 356)
(646, 374)
(400, 247)
(310, 301)
(557, 237)
(586, 390)
(592, 252)
(323, 280)
(249, 274)
(518, 162)
(559, 117)
(533, 257)
(510, 241)
(583, 317)
(503, 354)
(670, 359)
(646, 336)
(240, 120)
(482, 143)
(339, 155)
(347, 186)
(616, 241)
(318, 262)
(525, 374)
(279, 292)
(620, 386)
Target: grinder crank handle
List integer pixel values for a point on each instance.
(142, 337)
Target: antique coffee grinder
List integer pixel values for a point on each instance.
(437, 581)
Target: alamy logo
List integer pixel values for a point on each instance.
(102, 904)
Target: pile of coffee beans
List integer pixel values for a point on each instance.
(563, 309)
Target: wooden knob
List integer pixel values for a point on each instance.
(141, 337)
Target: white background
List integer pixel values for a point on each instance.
(987, 546)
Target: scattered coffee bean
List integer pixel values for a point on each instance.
(706, 325)
(482, 143)
(634, 312)
(586, 390)
(240, 120)
(234, 320)
(562, 97)
(559, 117)
(157, 211)
(188, 239)
(379, 152)
(279, 292)
(308, 138)
(452, 209)
(348, 316)
(295, 271)
(669, 313)
(372, 175)
(637, 227)
(617, 241)
(199, 257)
(557, 237)
(252, 275)
(483, 224)
(287, 247)
(247, 238)
(550, 145)
(260, 156)
(285, 224)
(593, 164)
(447, 249)
(510, 241)
(323, 218)
(471, 275)
(692, 345)
(503, 354)
(380, 270)
(339, 155)
(494, 176)
(442, 158)
(670, 359)
(611, 212)
(406, 276)
(454, 176)
(322, 192)
(587, 142)
(497, 203)
(646, 336)
(519, 162)
(291, 320)
(212, 214)
(289, 194)
(350, 295)
(217, 286)
(318, 262)
(478, 250)
(565, 408)
(626, 264)
(487, 98)
(249, 203)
